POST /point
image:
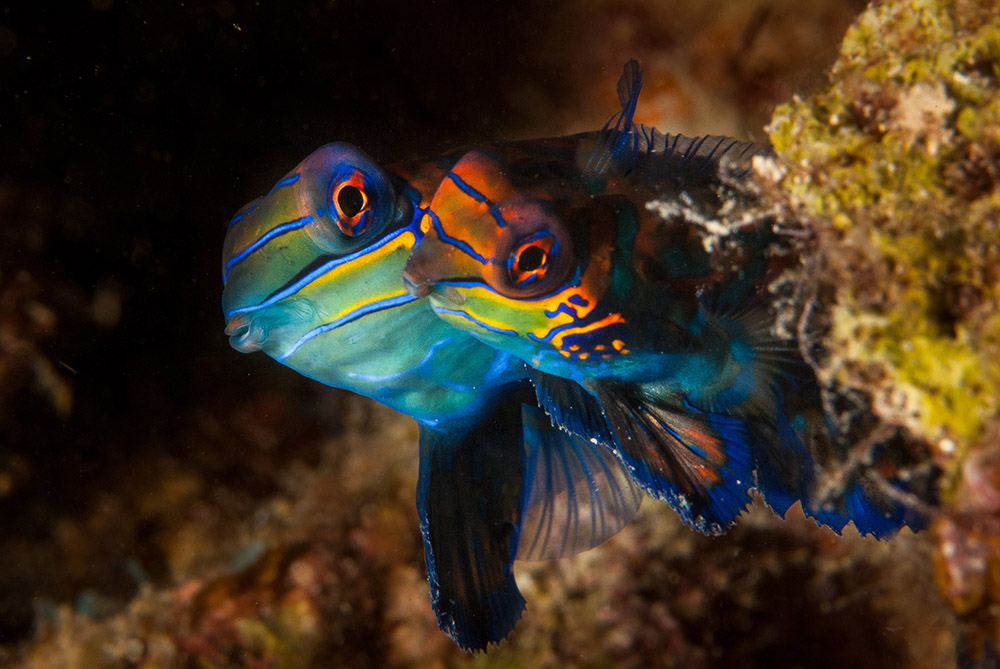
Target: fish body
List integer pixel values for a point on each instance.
(617, 294)
(311, 275)
(645, 326)
(562, 266)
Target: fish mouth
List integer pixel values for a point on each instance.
(244, 335)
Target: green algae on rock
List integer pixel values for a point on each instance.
(895, 166)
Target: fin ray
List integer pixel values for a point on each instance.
(578, 493)
(571, 406)
(698, 463)
(617, 144)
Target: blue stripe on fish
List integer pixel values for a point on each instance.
(563, 308)
(276, 231)
(241, 214)
(479, 283)
(350, 316)
(478, 197)
(457, 243)
(481, 324)
(287, 181)
(553, 332)
(298, 284)
(467, 189)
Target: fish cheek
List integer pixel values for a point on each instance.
(444, 262)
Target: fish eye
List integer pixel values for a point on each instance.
(350, 200)
(529, 260)
(533, 252)
(351, 205)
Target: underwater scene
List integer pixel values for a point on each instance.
(586, 334)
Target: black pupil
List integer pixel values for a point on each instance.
(530, 259)
(351, 201)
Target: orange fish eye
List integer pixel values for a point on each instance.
(351, 204)
(530, 260)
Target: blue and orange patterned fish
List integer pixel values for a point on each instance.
(540, 251)
(312, 278)
(599, 265)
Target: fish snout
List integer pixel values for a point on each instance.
(244, 335)
(424, 274)
(414, 285)
(418, 275)
(418, 284)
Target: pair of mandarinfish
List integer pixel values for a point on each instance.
(562, 345)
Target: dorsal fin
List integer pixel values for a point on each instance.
(622, 145)
(666, 156)
(617, 145)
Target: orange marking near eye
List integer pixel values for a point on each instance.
(426, 224)
(525, 268)
(610, 319)
(485, 174)
(353, 222)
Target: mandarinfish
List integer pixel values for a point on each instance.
(594, 262)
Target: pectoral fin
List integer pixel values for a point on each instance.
(579, 493)
(572, 407)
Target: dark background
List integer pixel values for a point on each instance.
(131, 132)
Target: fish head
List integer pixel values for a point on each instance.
(508, 262)
(321, 250)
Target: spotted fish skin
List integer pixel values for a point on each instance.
(311, 275)
(641, 332)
